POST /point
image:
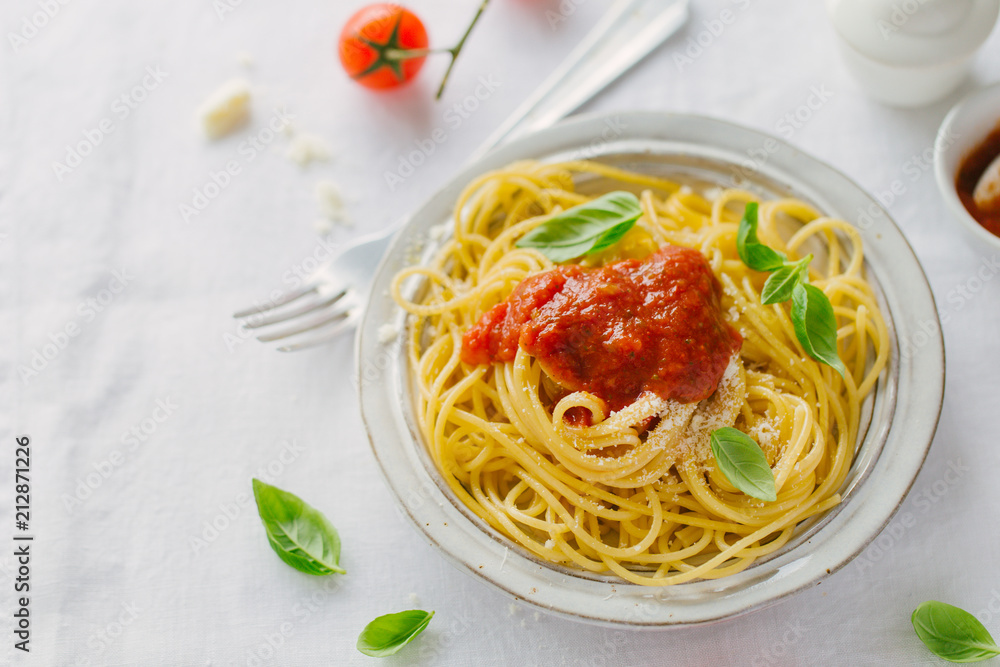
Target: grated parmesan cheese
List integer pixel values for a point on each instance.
(387, 333)
(225, 110)
(307, 148)
(714, 412)
(764, 432)
(331, 204)
(711, 194)
(438, 233)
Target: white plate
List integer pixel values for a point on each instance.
(903, 412)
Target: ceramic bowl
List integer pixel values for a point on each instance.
(901, 415)
(963, 128)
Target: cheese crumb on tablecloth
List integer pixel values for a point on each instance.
(226, 109)
(331, 204)
(306, 148)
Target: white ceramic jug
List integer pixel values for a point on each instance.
(911, 52)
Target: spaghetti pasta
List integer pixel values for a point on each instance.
(649, 506)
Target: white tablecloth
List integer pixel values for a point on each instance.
(148, 412)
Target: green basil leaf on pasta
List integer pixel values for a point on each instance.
(816, 325)
(743, 463)
(585, 229)
(781, 283)
(386, 635)
(952, 633)
(298, 533)
(755, 254)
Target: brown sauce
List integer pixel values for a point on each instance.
(969, 171)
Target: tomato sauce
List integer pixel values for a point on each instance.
(616, 331)
(971, 169)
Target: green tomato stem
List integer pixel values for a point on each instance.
(409, 54)
(458, 48)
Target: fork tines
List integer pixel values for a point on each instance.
(311, 315)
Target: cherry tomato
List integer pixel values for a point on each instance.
(374, 43)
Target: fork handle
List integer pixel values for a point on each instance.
(629, 31)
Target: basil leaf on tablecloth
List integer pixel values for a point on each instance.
(298, 533)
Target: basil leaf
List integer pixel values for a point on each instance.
(755, 254)
(743, 463)
(298, 533)
(952, 633)
(815, 325)
(387, 634)
(585, 229)
(780, 284)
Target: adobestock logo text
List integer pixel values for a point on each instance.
(59, 340)
(32, 24)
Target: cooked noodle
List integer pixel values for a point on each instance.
(650, 507)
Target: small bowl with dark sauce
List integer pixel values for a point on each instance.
(967, 164)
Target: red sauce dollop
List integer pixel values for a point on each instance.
(616, 331)
(971, 169)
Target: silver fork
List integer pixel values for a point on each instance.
(330, 300)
